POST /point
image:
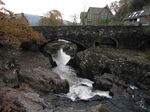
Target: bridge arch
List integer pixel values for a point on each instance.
(106, 41)
(145, 45)
(80, 45)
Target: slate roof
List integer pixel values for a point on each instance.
(95, 10)
(137, 14)
(83, 14)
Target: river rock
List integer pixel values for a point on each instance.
(102, 84)
(48, 54)
(8, 69)
(72, 62)
(12, 100)
(95, 62)
(48, 50)
(117, 87)
(143, 83)
(59, 103)
(28, 59)
(43, 80)
(98, 108)
(35, 71)
(31, 46)
(105, 82)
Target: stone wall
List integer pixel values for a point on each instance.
(128, 37)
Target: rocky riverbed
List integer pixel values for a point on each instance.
(27, 84)
(125, 73)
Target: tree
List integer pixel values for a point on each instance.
(74, 18)
(101, 21)
(83, 14)
(138, 4)
(14, 30)
(114, 7)
(123, 8)
(82, 18)
(53, 17)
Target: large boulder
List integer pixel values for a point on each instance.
(125, 65)
(43, 80)
(35, 71)
(143, 82)
(102, 84)
(105, 82)
(28, 59)
(59, 103)
(12, 100)
(47, 54)
(8, 69)
(117, 87)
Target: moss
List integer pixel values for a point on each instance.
(139, 56)
(70, 48)
(148, 57)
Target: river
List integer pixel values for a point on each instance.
(79, 87)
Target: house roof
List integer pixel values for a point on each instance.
(83, 14)
(95, 10)
(137, 14)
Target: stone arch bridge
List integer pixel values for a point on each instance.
(127, 37)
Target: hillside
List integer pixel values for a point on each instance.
(33, 19)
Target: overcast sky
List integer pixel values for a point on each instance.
(66, 7)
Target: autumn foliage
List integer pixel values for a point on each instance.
(53, 17)
(15, 30)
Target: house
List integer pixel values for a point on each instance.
(94, 15)
(137, 18)
(82, 17)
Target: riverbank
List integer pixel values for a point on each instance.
(28, 84)
(25, 77)
(125, 73)
(131, 66)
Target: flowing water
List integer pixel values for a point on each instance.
(79, 87)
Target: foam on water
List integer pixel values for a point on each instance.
(79, 87)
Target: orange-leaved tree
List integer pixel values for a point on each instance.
(15, 30)
(53, 17)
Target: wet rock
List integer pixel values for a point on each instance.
(35, 75)
(143, 83)
(119, 92)
(145, 99)
(43, 80)
(95, 62)
(72, 62)
(122, 105)
(70, 48)
(98, 108)
(48, 54)
(35, 71)
(102, 84)
(105, 82)
(53, 47)
(59, 103)
(117, 87)
(109, 77)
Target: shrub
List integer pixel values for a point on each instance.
(15, 30)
